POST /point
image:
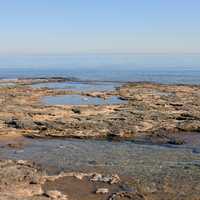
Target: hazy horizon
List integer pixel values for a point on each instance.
(104, 61)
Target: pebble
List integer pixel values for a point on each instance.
(102, 191)
(54, 194)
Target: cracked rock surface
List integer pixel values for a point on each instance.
(153, 110)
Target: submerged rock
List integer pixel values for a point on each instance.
(106, 179)
(126, 195)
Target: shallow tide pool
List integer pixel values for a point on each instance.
(2, 84)
(80, 100)
(79, 86)
(125, 158)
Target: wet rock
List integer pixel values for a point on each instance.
(187, 116)
(21, 123)
(126, 188)
(76, 110)
(126, 195)
(18, 145)
(189, 126)
(196, 150)
(123, 98)
(92, 162)
(176, 141)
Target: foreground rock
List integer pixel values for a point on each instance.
(23, 180)
(20, 180)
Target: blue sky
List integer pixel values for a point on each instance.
(99, 26)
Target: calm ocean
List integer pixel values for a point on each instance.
(120, 67)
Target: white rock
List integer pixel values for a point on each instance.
(102, 191)
(57, 195)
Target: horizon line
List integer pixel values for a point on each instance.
(99, 53)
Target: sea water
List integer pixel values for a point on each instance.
(161, 68)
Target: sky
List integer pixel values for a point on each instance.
(59, 27)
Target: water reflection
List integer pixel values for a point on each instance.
(80, 100)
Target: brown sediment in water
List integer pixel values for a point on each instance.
(14, 141)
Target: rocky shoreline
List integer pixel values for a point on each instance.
(157, 113)
(152, 110)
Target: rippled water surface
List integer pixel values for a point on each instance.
(90, 155)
